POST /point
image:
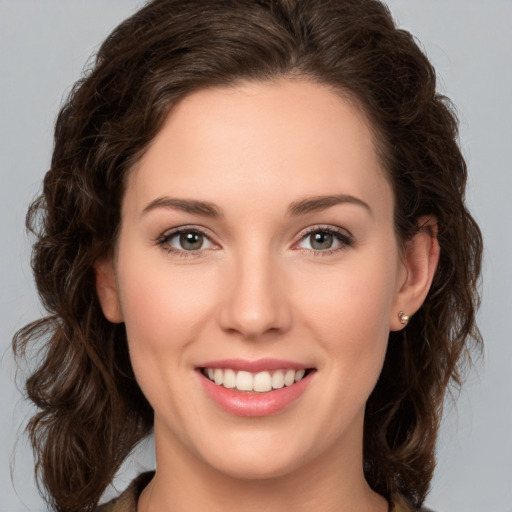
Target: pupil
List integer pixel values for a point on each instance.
(321, 240)
(191, 241)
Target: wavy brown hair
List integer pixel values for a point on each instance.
(91, 412)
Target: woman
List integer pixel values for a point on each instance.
(253, 240)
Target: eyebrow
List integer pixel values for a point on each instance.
(203, 208)
(297, 208)
(318, 203)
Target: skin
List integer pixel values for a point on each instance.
(259, 288)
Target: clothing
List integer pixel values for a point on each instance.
(127, 501)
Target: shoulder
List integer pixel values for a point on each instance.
(127, 500)
(401, 505)
(405, 508)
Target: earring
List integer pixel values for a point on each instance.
(404, 319)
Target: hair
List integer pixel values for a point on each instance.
(91, 412)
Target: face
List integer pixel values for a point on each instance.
(258, 274)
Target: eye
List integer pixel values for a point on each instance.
(184, 240)
(325, 240)
(321, 240)
(188, 241)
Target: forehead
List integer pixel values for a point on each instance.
(250, 138)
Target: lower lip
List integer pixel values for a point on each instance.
(254, 404)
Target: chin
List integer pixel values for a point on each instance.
(257, 457)
(261, 469)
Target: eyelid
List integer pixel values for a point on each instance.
(341, 234)
(165, 237)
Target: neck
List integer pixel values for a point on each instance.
(184, 482)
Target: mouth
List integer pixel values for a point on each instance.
(255, 388)
(254, 382)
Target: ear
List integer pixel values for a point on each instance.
(107, 290)
(419, 266)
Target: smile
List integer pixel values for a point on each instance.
(263, 387)
(260, 382)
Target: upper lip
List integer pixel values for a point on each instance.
(258, 365)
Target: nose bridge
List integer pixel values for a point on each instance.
(255, 302)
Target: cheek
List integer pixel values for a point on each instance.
(164, 309)
(354, 297)
(348, 308)
(160, 302)
(164, 313)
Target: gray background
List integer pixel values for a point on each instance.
(44, 45)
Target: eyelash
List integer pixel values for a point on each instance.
(344, 238)
(182, 253)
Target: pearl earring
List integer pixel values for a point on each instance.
(404, 319)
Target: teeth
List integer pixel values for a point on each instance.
(278, 380)
(289, 378)
(243, 381)
(299, 375)
(218, 376)
(229, 380)
(260, 382)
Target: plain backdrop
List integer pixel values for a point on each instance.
(43, 47)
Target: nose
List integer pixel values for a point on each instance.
(255, 301)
